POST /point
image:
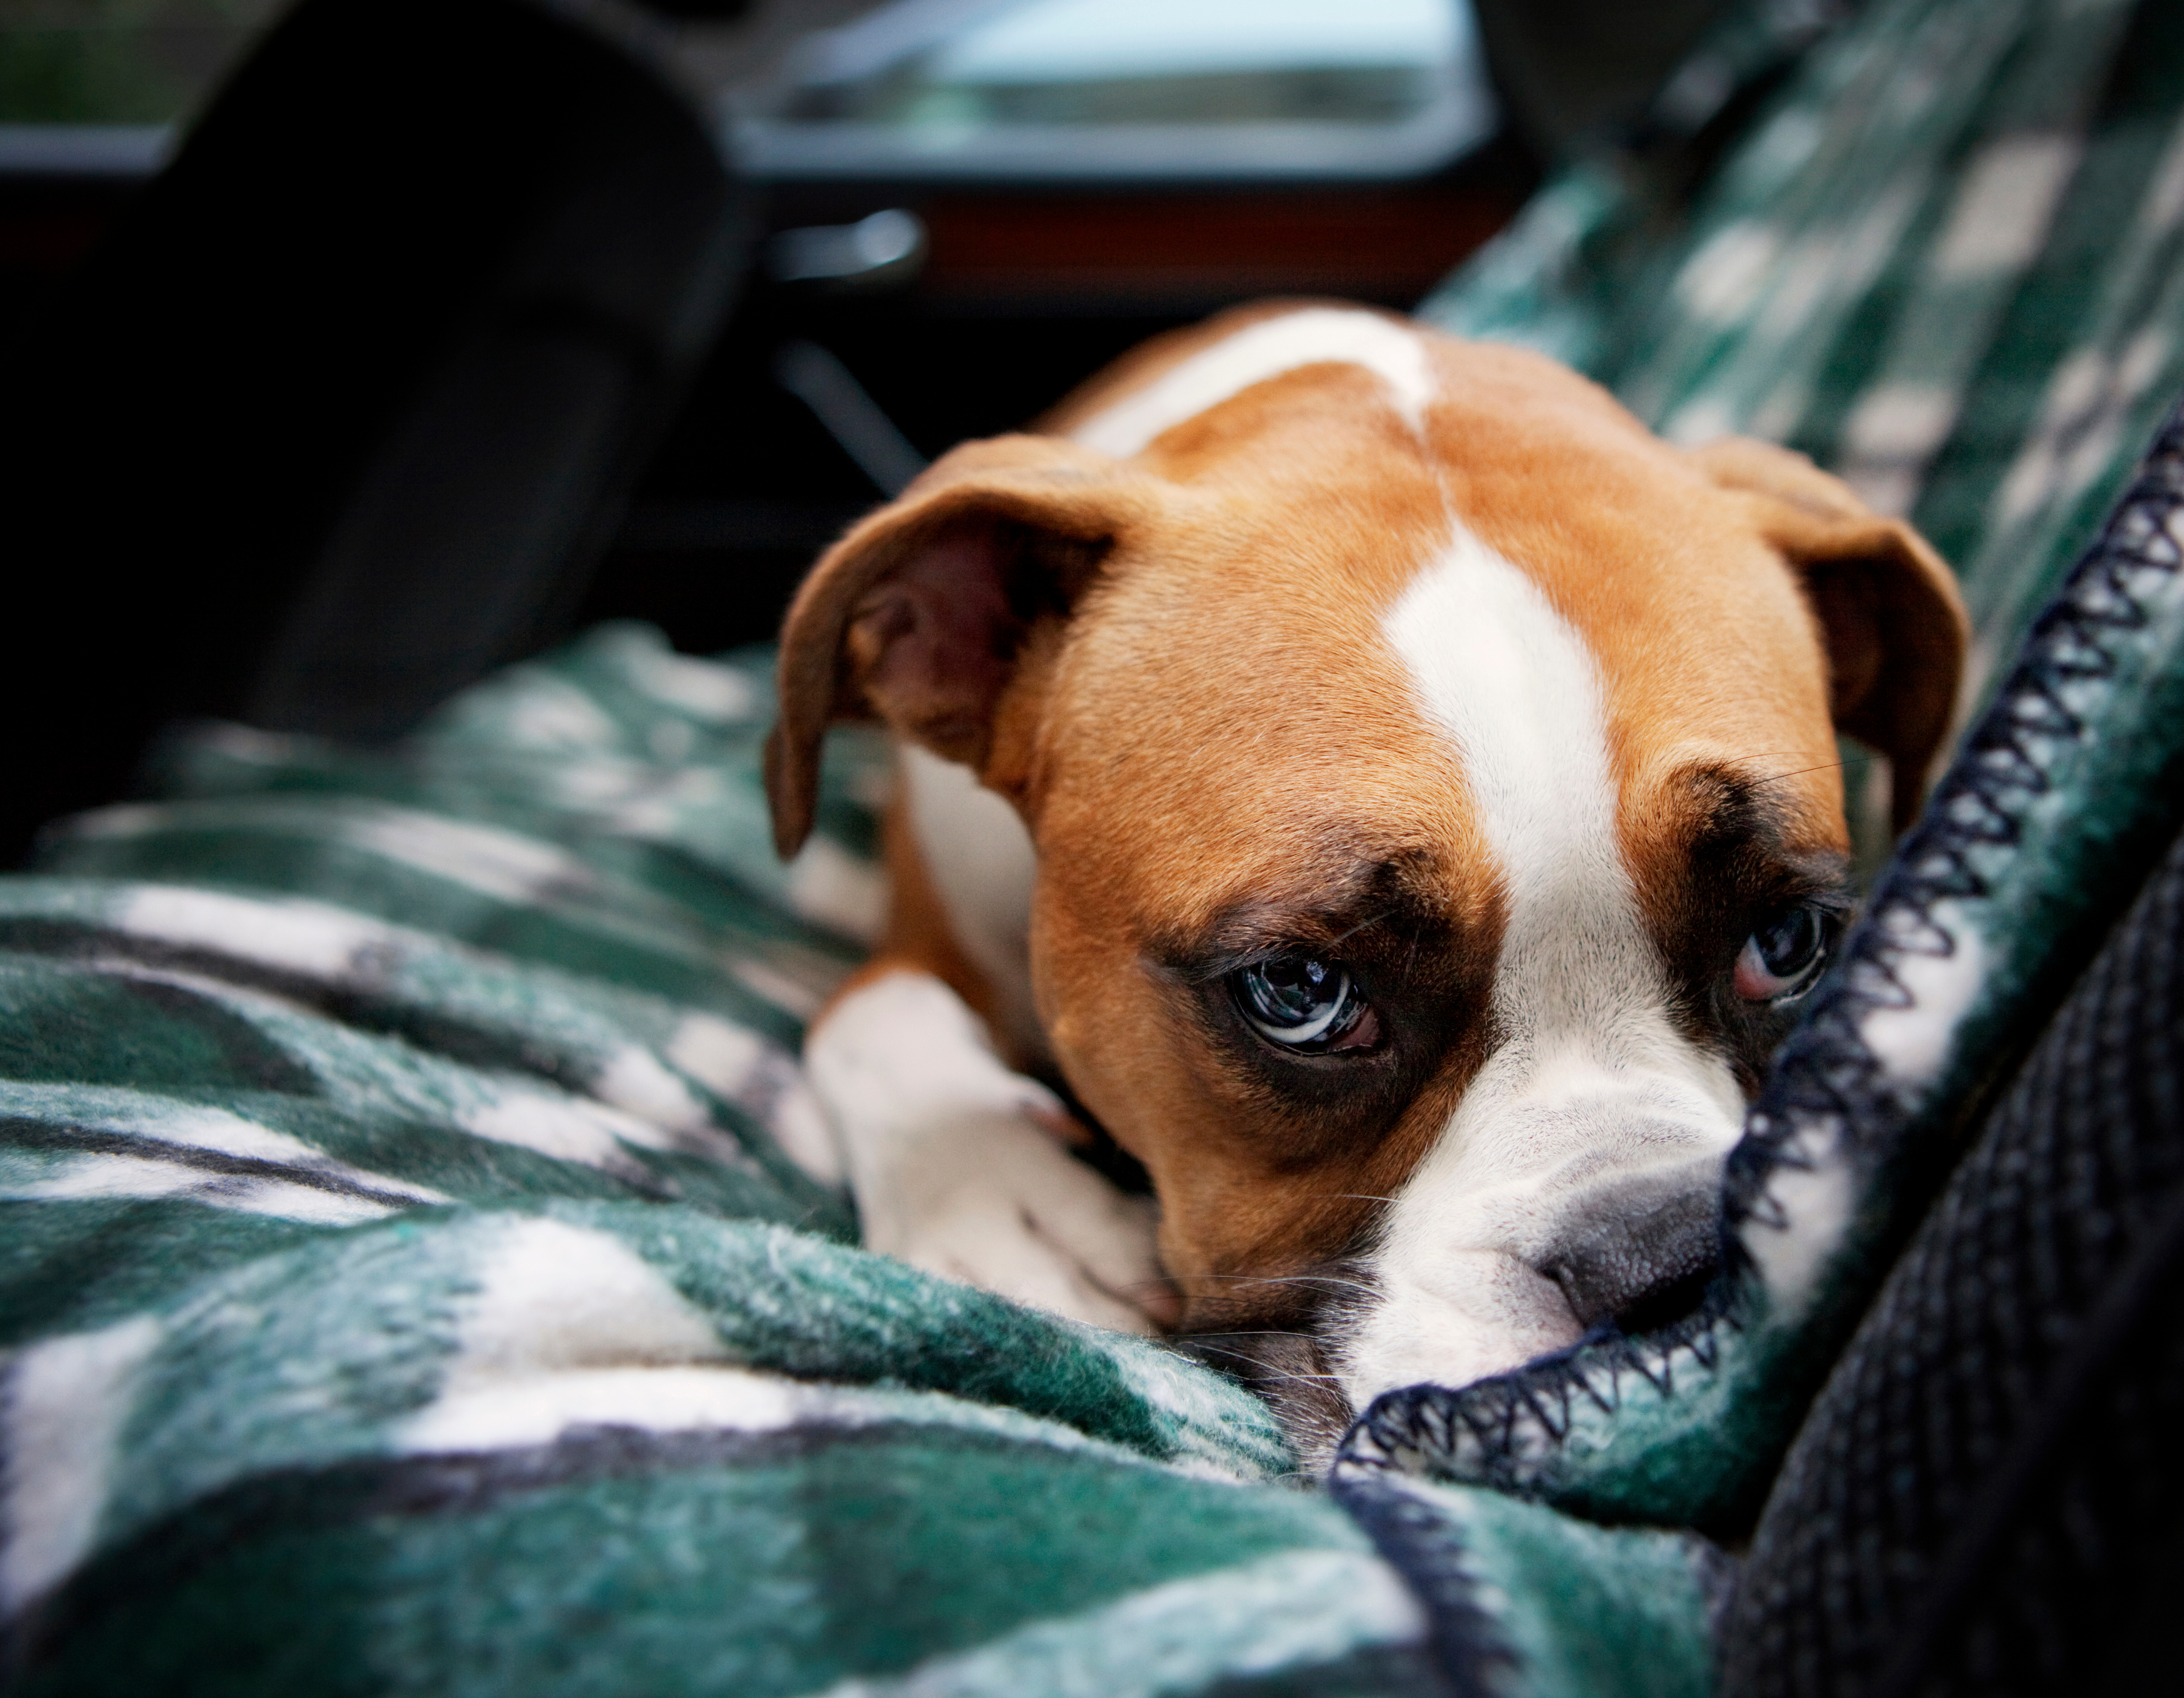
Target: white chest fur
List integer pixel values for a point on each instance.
(981, 864)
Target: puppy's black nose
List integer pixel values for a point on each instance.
(1637, 1251)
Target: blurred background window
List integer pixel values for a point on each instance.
(1022, 90)
(1033, 90)
(96, 87)
(129, 62)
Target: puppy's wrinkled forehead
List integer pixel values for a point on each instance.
(1407, 547)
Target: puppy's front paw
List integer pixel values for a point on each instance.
(958, 1166)
(989, 1197)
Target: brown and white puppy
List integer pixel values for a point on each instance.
(1397, 792)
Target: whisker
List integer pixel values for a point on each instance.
(1373, 919)
(1291, 1279)
(1271, 1373)
(1266, 1372)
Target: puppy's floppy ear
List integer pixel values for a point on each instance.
(1887, 604)
(918, 614)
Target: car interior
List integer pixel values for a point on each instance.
(354, 352)
(547, 233)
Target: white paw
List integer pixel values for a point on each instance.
(957, 1168)
(990, 1198)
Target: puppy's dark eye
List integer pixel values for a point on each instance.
(1305, 1004)
(1780, 961)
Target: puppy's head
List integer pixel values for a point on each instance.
(1436, 796)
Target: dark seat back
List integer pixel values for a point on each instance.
(338, 419)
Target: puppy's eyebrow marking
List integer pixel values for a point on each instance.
(1339, 902)
(1317, 336)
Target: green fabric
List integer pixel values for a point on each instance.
(1628, 1618)
(422, 1270)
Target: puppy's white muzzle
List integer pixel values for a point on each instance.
(1533, 1221)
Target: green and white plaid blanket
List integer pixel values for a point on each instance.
(423, 1269)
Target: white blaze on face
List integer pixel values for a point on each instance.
(1591, 1090)
(1316, 336)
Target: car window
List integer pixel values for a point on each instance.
(1031, 90)
(96, 87)
(118, 61)
(1019, 90)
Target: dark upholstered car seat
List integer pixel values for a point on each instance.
(335, 422)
